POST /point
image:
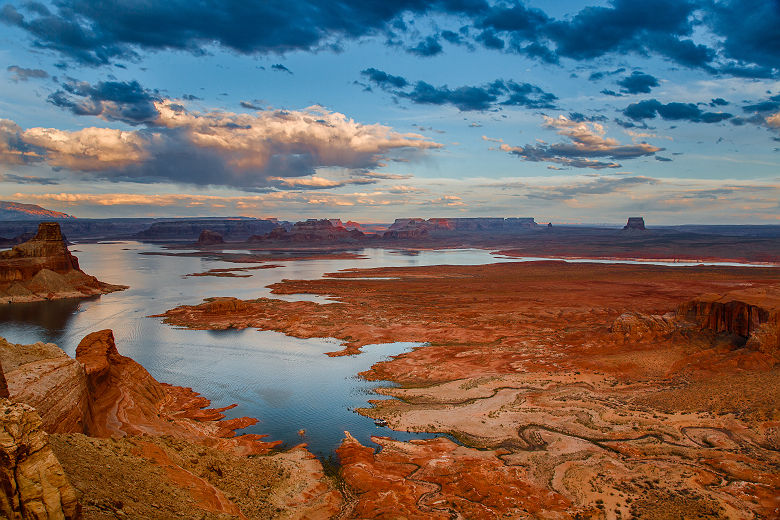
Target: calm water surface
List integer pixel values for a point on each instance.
(287, 383)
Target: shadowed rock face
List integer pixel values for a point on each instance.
(753, 314)
(42, 268)
(3, 383)
(32, 482)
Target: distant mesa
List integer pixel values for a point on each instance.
(312, 230)
(231, 229)
(635, 224)
(18, 211)
(209, 238)
(405, 228)
(42, 268)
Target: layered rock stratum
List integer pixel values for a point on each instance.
(42, 268)
(32, 482)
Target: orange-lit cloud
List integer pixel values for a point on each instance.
(217, 148)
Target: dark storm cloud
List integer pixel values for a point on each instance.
(719, 102)
(638, 82)
(98, 32)
(122, 101)
(428, 47)
(278, 67)
(750, 30)
(465, 98)
(649, 108)
(21, 74)
(744, 40)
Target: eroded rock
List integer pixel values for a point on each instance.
(32, 482)
(42, 268)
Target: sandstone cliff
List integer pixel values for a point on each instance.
(43, 269)
(44, 377)
(32, 483)
(753, 314)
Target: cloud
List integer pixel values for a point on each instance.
(465, 98)
(638, 82)
(601, 185)
(21, 74)
(122, 101)
(430, 46)
(278, 67)
(587, 141)
(24, 179)
(96, 33)
(740, 35)
(648, 109)
(215, 148)
(251, 105)
(384, 80)
(773, 120)
(749, 31)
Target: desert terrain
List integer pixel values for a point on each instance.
(564, 390)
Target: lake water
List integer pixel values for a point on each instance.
(287, 383)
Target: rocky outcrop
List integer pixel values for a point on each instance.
(635, 224)
(753, 314)
(209, 238)
(32, 483)
(43, 376)
(635, 326)
(312, 230)
(42, 268)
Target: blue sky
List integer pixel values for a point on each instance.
(570, 112)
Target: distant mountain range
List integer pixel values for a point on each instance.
(19, 211)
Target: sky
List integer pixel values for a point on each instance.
(569, 112)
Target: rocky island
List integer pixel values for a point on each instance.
(42, 268)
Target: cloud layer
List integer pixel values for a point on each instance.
(742, 34)
(211, 148)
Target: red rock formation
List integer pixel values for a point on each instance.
(32, 483)
(43, 268)
(44, 377)
(208, 238)
(127, 400)
(753, 314)
(436, 478)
